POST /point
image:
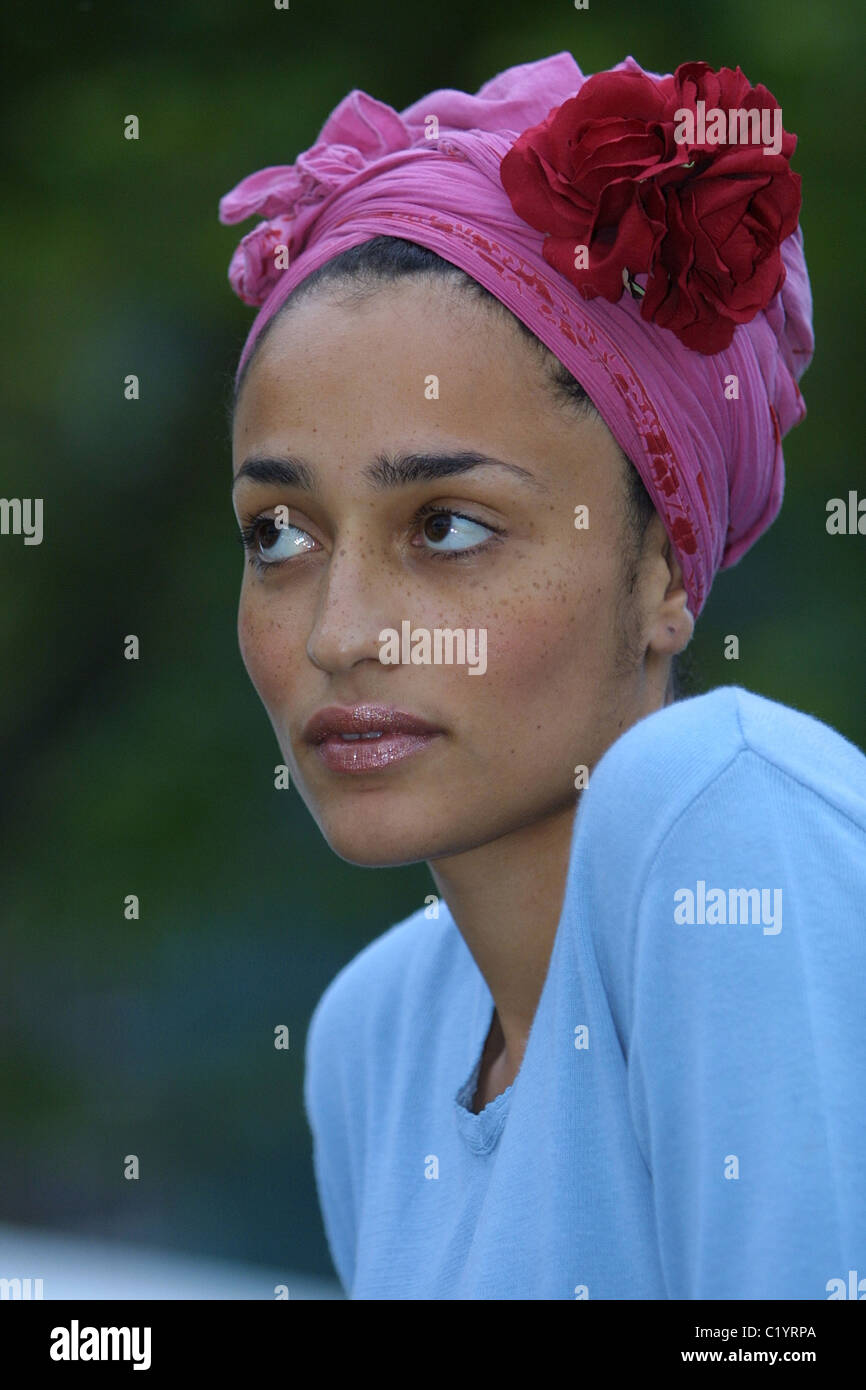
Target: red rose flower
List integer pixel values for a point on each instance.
(630, 169)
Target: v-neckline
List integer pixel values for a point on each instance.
(481, 1131)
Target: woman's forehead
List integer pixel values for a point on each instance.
(408, 353)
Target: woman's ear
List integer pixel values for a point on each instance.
(670, 625)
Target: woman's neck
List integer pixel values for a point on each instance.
(506, 898)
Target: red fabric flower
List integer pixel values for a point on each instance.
(618, 170)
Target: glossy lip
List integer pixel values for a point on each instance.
(364, 719)
(402, 735)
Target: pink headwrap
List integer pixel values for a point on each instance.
(709, 452)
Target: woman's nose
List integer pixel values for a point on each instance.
(356, 601)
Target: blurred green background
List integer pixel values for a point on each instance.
(155, 777)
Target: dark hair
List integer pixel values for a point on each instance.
(361, 269)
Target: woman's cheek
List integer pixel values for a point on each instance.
(265, 646)
(528, 643)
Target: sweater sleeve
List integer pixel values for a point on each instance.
(328, 1111)
(746, 1038)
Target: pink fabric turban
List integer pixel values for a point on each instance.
(709, 451)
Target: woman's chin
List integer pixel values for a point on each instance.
(382, 853)
(372, 843)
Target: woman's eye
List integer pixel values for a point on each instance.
(445, 530)
(269, 543)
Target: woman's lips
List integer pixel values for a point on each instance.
(368, 755)
(367, 738)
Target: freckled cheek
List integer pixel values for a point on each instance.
(532, 650)
(270, 645)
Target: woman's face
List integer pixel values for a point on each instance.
(372, 537)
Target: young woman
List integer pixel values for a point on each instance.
(516, 391)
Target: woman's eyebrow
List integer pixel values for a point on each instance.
(395, 470)
(286, 472)
(386, 471)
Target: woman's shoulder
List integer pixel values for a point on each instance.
(392, 967)
(726, 798)
(676, 754)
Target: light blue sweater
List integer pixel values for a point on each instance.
(689, 1120)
